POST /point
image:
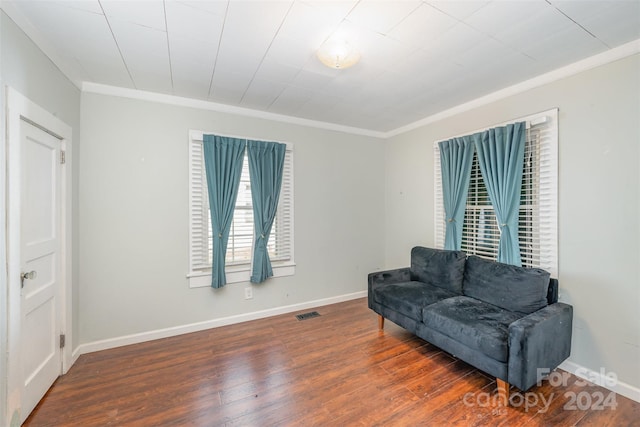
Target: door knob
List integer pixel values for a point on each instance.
(30, 275)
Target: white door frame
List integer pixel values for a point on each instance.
(20, 108)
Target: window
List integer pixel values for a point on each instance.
(240, 245)
(537, 231)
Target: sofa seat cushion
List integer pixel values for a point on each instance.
(474, 323)
(408, 298)
(519, 289)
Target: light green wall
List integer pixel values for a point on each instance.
(134, 217)
(130, 216)
(599, 202)
(25, 68)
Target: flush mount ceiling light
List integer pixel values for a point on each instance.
(338, 54)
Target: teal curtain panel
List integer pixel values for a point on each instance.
(456, 158)
(266, 164)
(223, 157)
(501, 158)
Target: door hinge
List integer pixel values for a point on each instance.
(63, 157)
(63, 339)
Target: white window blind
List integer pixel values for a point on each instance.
(240, 246)
(538, 222)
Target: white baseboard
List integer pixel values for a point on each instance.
(74, 356)
(600, 378)
(208, 324)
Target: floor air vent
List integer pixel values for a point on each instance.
(309, 315)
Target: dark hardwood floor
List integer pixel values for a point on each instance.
(332, 370)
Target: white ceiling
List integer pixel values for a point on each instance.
(418, 57)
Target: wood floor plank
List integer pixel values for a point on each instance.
(430, 383)
(626, 413)
(425, 410)
(337, 369)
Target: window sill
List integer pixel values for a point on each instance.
(237, 275)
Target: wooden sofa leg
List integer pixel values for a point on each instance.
(380, 322)
(503, 391)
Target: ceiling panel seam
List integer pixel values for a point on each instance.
(266, 52)
(166, 29)
(579, 25)
(215, 61)
(117, 45)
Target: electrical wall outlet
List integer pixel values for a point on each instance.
(248, 293)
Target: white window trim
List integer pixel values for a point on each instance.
(202, 279)
(240, 273)
(549, 256)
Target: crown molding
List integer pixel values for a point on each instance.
(41, 42)
(611, 55)
(600, 59)
(221, 108)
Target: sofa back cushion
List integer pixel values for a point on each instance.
(444, 269)
(517, 289)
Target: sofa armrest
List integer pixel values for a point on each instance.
(538, 343)
(397, 275)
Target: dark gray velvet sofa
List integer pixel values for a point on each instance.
(502, 319)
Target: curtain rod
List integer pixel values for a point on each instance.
(531, 120)
(197, 135)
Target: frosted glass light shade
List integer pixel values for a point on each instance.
(338, 54)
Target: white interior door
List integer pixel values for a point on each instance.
(40, 263)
